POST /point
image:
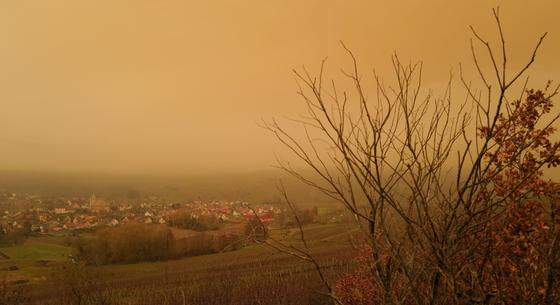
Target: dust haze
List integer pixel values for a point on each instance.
(179, 86)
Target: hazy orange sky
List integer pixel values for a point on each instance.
(138, 85)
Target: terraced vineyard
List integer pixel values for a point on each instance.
(250, 275)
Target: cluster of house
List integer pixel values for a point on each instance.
(231, 211)
(69, 215)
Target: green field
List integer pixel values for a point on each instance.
(36, 249)
(34, 258)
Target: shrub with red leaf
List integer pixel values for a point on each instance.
(359, 287)
(511, 254)
(520, 257)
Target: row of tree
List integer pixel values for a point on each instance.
(10, 236)
(129, 244)
(134, 243)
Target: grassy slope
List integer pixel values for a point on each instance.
(35, 249)
(28, 255)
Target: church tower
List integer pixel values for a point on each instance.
(92, 200)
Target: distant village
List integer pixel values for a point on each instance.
(65, 215)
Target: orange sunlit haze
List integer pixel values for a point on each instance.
(181, 85)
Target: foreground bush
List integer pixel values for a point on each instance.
(512, 253)
(449, 191)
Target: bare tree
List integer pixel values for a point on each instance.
(417, 170)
